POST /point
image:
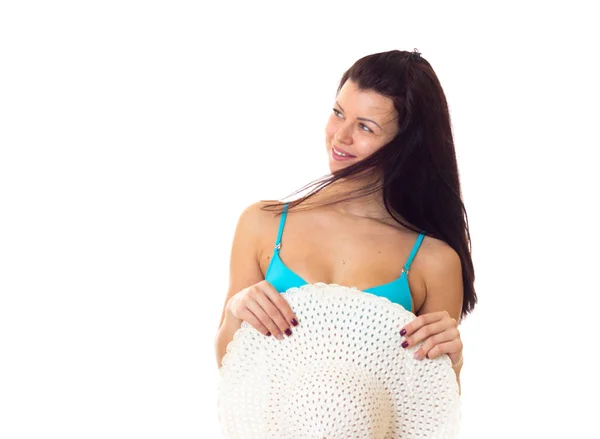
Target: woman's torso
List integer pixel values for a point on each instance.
(323, 245)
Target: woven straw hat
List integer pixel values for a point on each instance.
(342, 374)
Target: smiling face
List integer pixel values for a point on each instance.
(361, 122)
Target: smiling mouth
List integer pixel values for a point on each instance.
(340, 154)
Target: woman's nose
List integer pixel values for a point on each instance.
(343, 134)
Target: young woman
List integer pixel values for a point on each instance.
(389, 220)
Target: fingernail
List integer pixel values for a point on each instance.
(418, 355)
(280, 337)
(294, 322)
(403, 332)
(404, 344)
(288, 332)
(268, 334)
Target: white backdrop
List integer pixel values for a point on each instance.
(134, 133)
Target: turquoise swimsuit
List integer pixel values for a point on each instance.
(282, 278)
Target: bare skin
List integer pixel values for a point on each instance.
(353, 243)
(325, 245)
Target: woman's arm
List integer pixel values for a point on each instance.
(244, 268)
(457, 370)
(437, 320)
(225, 335)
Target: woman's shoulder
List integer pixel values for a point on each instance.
(435, 256)
(261, 210)
(435, 247)
(259, 217)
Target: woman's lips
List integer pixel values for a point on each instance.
(340, 158)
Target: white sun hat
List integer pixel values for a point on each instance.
(342, 374)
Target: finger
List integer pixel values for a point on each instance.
(265, 321)
(447, 348)
(428, 331)
(248, 314)
(442, 338)
(281, 303)
(444, 345)
(423, 320)
(275, 306)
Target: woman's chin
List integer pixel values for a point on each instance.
(336, 165)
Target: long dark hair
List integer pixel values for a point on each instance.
(420, 180)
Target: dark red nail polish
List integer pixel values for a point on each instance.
(268, 334)
(294, 322)
(404, 344)
(288, 332)
(403, 332)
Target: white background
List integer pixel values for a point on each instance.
(133, 134)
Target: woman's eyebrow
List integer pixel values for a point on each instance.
(361, 118)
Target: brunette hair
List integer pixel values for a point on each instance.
(420, 179)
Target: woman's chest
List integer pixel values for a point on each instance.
(365, 256)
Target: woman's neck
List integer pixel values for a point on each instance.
(365, 206)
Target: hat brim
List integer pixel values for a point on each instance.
(342, 372)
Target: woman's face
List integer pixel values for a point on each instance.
(361, 122)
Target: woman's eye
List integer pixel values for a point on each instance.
(362, 125)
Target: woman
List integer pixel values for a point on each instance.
(389, 220)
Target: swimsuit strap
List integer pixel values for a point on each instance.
(281, 224)
(413, 253)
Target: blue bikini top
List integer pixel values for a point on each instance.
(282, 278)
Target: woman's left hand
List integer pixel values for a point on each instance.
(440, 333)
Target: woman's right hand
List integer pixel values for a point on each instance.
(264, 308)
